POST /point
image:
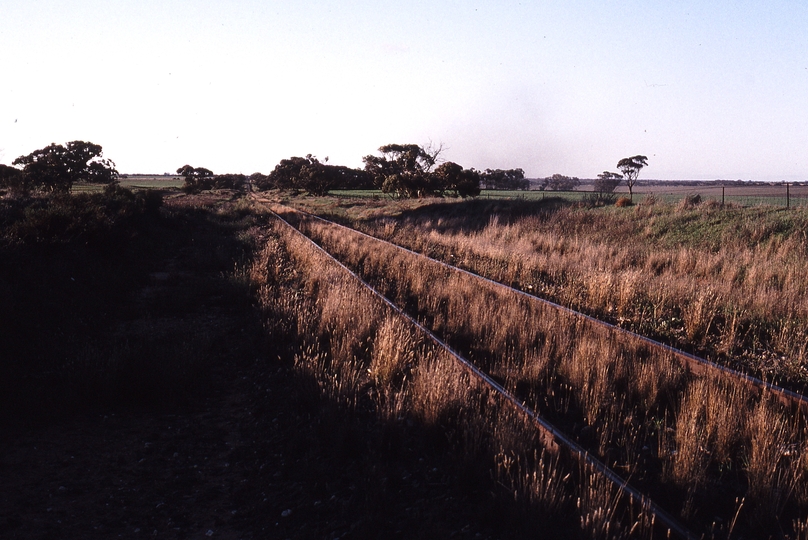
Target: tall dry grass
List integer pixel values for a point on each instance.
(362, 354)
(731, 283)
(640, 411)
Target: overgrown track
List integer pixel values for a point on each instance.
(696, 365)
(552, 438)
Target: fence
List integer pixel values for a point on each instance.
(783, 195)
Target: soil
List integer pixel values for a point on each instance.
(250, 450)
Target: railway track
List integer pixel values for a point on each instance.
(692, 363)
(553, 439)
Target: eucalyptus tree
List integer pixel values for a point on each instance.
(405, 169)
(631, 167)
(606, 181)
(196, 178)
(57, 167)
(453, 177)
(559, 182)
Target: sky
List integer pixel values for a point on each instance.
(705, 90)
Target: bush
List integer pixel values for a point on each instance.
(150, 201)
(91, 217)
(623, 201)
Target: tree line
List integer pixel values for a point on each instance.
(403, 170)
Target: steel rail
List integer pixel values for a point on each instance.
(552, 438)
(695, 364)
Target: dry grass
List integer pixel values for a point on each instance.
(728, 282)
(362, 354)
(775, 458)
(631, 400)
(538, 477)
(393, 353)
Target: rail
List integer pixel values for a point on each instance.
(691, 362)
(551, 437)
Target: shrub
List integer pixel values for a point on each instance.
(623, 201)
(150, 201)
(93, 217)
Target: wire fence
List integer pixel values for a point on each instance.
(755, 195)
(768, 195)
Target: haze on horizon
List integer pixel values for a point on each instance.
(705, 90)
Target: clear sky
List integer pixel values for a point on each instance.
(706, 90)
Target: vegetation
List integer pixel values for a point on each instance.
(462, 182)
(631, 167)
(55, 168)
(150, 329)
(508, 179)
(310, 175)
(406, 170)
(559, 182)
(142, 298)
(366, 357)
(726, 283)
(607, 182)
(684, 438)
(72, 268)
(198, 179)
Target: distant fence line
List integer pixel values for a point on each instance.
(773, 195)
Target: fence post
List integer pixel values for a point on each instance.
(788, 195)
(722, 195)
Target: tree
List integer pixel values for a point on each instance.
(259, 181)
(505, 179)
(452, 177)
(306, 173)
(13, 180)
(230, 181)
(196, 178)
(56, 168)
(607, 182)
(346, 178)
(559, 182)
(285, 173)
(404, 169)
(631, 167)
(313, 176)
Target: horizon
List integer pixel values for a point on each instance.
(705, 91)
(640, 181)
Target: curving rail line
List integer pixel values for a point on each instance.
(695, 364)
(552, 438)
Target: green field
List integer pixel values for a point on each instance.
(484, 194)
(135, 183)
(753, 195)
(746, 196)
(151, 182)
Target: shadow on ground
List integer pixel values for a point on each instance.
(142, 397)
(473, 215)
